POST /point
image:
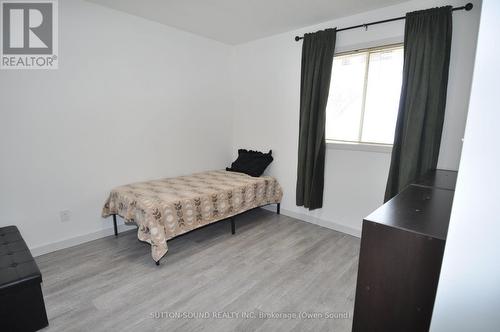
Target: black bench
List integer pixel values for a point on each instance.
(21, 299)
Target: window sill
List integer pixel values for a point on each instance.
(352, 146)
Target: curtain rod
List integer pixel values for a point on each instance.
(467, 7)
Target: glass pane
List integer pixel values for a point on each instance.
(343, 112)
(382, 96)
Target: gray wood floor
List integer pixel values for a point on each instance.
(274, 264)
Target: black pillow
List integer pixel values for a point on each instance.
(253, 163)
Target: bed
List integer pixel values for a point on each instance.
(163, 209)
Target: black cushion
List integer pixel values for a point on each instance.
(253, 163)
(16, 263)
(21, 299)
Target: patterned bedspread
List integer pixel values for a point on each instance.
(163, 209)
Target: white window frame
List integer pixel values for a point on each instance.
(361, 145)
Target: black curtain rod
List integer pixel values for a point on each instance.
(467, 7)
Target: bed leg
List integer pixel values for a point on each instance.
(278, 206)
(233, 226)
(114, 224)
(157, 263)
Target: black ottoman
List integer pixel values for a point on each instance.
(21, 299)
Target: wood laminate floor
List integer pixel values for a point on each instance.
(273, 265)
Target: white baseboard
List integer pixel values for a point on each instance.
(317, 221)
(74, 241)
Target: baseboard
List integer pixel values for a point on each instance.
(317, 221)
(74, 241)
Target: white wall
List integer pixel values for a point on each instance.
(136, 100)
(266, 83)
(132, 100)
(468, 296)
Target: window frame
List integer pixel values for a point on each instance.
(360, 145)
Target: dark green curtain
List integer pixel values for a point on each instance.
(423, 97)
(317, 59)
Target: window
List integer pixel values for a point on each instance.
(364, 96)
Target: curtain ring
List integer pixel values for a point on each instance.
(365, 26)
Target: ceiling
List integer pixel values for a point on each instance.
(239, 21)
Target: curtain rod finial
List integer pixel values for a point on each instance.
(297, 38)
(469, 6)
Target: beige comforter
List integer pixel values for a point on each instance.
(163, 209)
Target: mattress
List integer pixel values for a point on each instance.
(163, 209)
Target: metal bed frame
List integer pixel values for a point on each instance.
(232, 219)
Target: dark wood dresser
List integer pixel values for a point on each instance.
(402, 245)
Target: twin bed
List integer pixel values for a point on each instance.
(163, 209)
